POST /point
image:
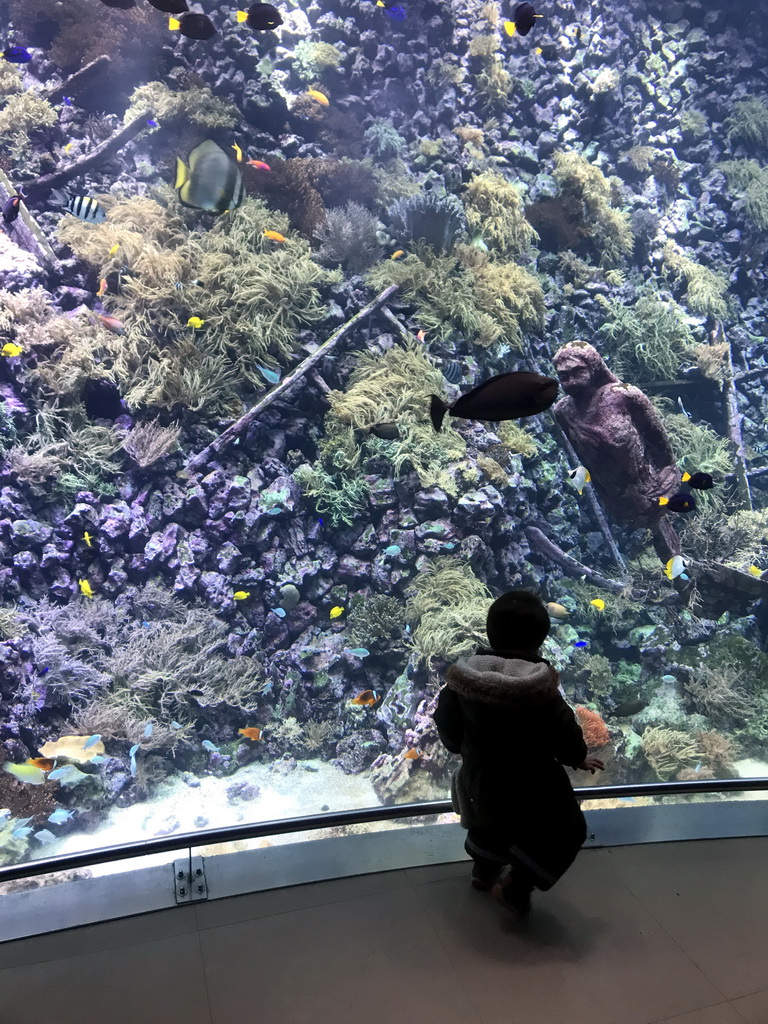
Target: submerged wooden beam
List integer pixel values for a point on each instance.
(80, 80)
(216, 447)
(571, 565)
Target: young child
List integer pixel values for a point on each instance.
(501, 709)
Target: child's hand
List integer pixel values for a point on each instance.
(590, 764)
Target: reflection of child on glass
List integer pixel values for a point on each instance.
(502, 710)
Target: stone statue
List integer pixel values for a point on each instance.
(618, 436)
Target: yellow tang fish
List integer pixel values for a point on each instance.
(29, 773)
(195, 321)
(238, 152)
(598, 603)
(755, 571)
(397, 254)
(318, 97)
(88, 539)
(510, 28)
(11, 349)
(68, 147)
(114, 249)
(336, 611)
(275, 236)
(241, 595)
(85, 588)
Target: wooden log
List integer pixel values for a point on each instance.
(216, 447)
(572, 566)
(80, 80)
(38, 189)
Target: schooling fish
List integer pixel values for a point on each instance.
(318, 97)
(367, 699)
(210, 181)
(627, 708)
(580, 477)
(701, 481)
(393, 550)
(45, 836)
(28, 773)
(251, 732)
(259, 165)
(17, 55)
(523, 19)
(359, 652)
(508, 396)
(680, 502)
(169, 6)
(269, 375)
(192, 25)
(260, 17)
(91, 741)
(83, 207)
(210, 746)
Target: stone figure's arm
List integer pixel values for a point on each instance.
(651, 429)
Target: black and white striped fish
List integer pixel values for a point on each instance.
(82, 207)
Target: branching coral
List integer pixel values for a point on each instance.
(21, 114)
(383, 141)
(609, 227)
(150, 441)
(376, 621)
(669, 750)
(517, 440)
(647, 341)
(196, 104)
(348, 238)
(719, 694)
(697, 447)
(449, 608)
(749, 179)
(739, 539)
(705, 288)
(312, 60)
(719, 750)
(495, 210)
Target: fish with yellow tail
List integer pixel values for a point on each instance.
(599, 604)
(195, 322)
(238, 152)
(260, 17)
(675, 568)
(680, 502)
(241, 595)
(85, 588)
(210, 180)
(11, 349)
(580, 478)
(318, 97)
(192, 25)
(336, 611)
(523, 19)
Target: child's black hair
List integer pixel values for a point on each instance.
(517, 621)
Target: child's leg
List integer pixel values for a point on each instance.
(483, 847)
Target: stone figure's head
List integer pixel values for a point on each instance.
(581, 368)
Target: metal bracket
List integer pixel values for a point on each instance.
(189, 880)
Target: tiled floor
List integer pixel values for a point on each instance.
(674, 932)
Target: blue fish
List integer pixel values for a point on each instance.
(98, 759)
(668, 678)
(17, 55)
(133, 749)
(148, 731)
(274, 511)
(132, 754)
(279, 612)
(581, 643)
(395, 12)
(359, 652)
(59, 816)
(271, 376)
(210, 746)
(176, 725)
(91, 741)
(67, 775)
(45, 836)
(393, 549)
(151, 123)
(67, 101)
(21, 833)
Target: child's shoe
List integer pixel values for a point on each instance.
(513, 894)
(482, 881)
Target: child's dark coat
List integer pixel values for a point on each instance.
(506, 717)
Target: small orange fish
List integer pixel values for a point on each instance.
(102, 288)
(111, 323)
(367, 699)
(44, 763)
(318, 97)
(412, 755)
(421, 335)
(259, 165)
(275, 236)
(397, 254)
(251, 732)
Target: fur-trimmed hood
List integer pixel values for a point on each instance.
(510, 681)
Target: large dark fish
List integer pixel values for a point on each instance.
(627, 708)
(169, 6)
(193, 25)
(680, 502)
(12, 208)
(17, 55)
(261, 17)
(524, 17)
(508, 396)
(701, 481)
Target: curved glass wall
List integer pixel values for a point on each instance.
(254, 267)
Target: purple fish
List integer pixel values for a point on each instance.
(395, 12)
(17, 55)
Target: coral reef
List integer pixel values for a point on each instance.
(432, 218)
(447, 609)
(584, 183)
(595, 730)
(348, 238)
(705, 288)
(670, 750)
(647, 341)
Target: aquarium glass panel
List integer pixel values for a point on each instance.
(322, 327)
